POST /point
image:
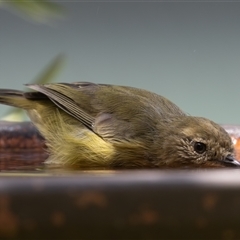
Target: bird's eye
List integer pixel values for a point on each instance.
(200, 147)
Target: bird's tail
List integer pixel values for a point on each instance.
(15, 98)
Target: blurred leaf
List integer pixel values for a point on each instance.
(51, 70)
(15, 115)
(38, 10)
(49, 73)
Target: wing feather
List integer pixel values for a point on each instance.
(66, 103)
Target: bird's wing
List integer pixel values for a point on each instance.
(61, 96)
(112, 112)
(104, 109)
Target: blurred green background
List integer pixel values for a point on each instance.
(187, 51)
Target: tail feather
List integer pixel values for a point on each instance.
(14, 98)
(10, 92)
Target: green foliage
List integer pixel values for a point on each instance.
(47, 75)
(50, 71)
(37, 10)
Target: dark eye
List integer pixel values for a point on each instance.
(200, 147)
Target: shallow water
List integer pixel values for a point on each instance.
(120, 204)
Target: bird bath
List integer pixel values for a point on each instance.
(36, 203)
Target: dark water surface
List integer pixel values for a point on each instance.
(124, 204)
(38, 202)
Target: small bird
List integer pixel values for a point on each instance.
(89, 125)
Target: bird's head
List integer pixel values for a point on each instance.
(199, 142)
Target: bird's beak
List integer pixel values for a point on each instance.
(231, 161)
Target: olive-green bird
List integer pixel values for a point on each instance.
(89, 125)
